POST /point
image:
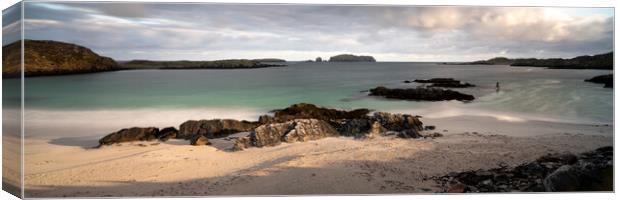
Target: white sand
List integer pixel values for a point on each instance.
(327, 166)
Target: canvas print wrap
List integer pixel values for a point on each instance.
(139, 99)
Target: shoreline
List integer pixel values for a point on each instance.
(333, 165)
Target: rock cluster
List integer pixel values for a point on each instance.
(420, 94)
(590, 171)
(607, 80)
(296, 123)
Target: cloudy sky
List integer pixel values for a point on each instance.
(127, 31)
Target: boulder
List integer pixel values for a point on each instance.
(353, 127)
(420, 94)
(564, 178)
(199, 140)
(291, 131)
(215, 128)
(167, 133)
(398, 122)
(130, 134)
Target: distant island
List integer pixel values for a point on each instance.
(600, 61)
(46, 58)
(351, 58)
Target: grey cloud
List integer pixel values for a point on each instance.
(398, 32)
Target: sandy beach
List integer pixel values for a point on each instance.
(335, 165)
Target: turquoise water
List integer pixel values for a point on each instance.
(526, 93)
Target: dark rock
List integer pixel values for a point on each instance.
(565, 158)
(608, 80)
(420, 94)
(564, 178)
(167, 133)
(199, 140)
(215, 128)
(130, 134)
(310, 111)
(444, 82)
(353, 127)
(590, 171)
(426, 128)
(398, 122)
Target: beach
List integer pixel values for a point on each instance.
(333, 165)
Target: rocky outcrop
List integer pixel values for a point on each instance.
(607, 80)
(298, 130)
(310, 111)
(129, 135)
(44, 57)
(591, 171)
(318, 59)
(215, 128)
(351, 58)
(420, 94)
(444, 82)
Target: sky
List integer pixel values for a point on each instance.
(126, 31)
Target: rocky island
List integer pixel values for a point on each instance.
(44, 57)
(600, 61)
(351, 58)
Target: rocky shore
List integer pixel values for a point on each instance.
(296, 123)
(590, 171)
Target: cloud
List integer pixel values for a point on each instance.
(218, 31)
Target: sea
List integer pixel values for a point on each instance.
(99, 103)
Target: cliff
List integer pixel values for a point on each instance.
(42, 57)
(351, 58)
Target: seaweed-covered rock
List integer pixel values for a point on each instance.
(167, 133)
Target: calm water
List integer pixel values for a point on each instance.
(526, 93)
